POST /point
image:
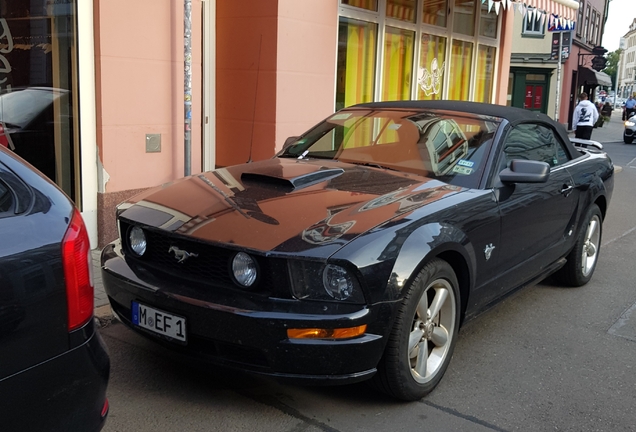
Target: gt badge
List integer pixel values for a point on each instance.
(488, 251)
(180, 254)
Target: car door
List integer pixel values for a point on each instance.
(536, 218)
(32, 301)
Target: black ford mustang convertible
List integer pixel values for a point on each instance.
(357, 251)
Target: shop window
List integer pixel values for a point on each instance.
(487, 22)
(356, 62)
(434, 13)
(371, 5)
(403, 10)
(461, 62)
(377, 51)
(464, 17)
(485, 73)
(533, 25)
(38, 86)
(398, 61)
(430, 78)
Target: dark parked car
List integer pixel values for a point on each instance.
(357, 251)
(54, 366)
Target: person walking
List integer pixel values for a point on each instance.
(630, 107)
(584, 118)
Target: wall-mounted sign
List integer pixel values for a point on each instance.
(566, 46)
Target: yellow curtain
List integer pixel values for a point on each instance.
(356, 62)
(461, 62)
(434, 12)
(430, 77)
(401, 9)
(398, 64)
(363, 4)
(485, 69)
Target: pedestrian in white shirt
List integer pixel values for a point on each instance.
(584, 118)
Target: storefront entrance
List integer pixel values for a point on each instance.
(530, 89)
(38, 87)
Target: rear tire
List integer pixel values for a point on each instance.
(423, 338)
(581, 262)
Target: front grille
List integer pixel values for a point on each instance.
(211, 266)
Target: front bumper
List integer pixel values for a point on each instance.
(248, 332)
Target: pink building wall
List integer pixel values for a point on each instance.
(139, 76)
(276, 62)
(307, 50)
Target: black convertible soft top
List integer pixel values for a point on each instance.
(512, 114)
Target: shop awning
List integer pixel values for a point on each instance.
(562, 13)
(593, 78)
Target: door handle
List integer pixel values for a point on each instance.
(567, 190)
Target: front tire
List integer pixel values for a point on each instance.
(423, 338)
(628, 140)
(581, 262)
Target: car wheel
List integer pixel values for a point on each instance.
(421, 343)
(628, 140)
(582, 260)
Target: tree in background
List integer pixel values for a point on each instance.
(611, 67)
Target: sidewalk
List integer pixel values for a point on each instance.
(102, 308)
(610, 132)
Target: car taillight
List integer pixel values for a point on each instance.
(5, 138)
(76, 260)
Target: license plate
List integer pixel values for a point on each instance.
(158, 321)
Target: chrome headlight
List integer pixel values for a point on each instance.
(319, 281)
(137, 240)
(244, 269)
(629, 123)
(337, 282)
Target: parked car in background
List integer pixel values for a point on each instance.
(54, 366)
(28, 124)
(630, 129)
(357, 251)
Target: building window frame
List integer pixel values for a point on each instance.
(481, 39)
(534, 27)
(579, 27)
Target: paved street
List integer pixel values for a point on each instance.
(544, 359)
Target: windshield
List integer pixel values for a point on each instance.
(451, 148)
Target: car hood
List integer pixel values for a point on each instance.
(284, 205)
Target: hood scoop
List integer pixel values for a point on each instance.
(293, 183)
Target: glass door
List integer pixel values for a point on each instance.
(38, 87)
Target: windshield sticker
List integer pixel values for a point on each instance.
(394, 126)
(342, 116)
(465, 163)
(462, 170)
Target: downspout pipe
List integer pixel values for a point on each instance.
(187, 55)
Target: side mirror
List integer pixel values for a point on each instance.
(525, 171)
(289, 141)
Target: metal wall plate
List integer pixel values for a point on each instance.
(153, 143)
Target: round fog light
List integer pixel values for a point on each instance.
(137, 240)
(244, 269)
